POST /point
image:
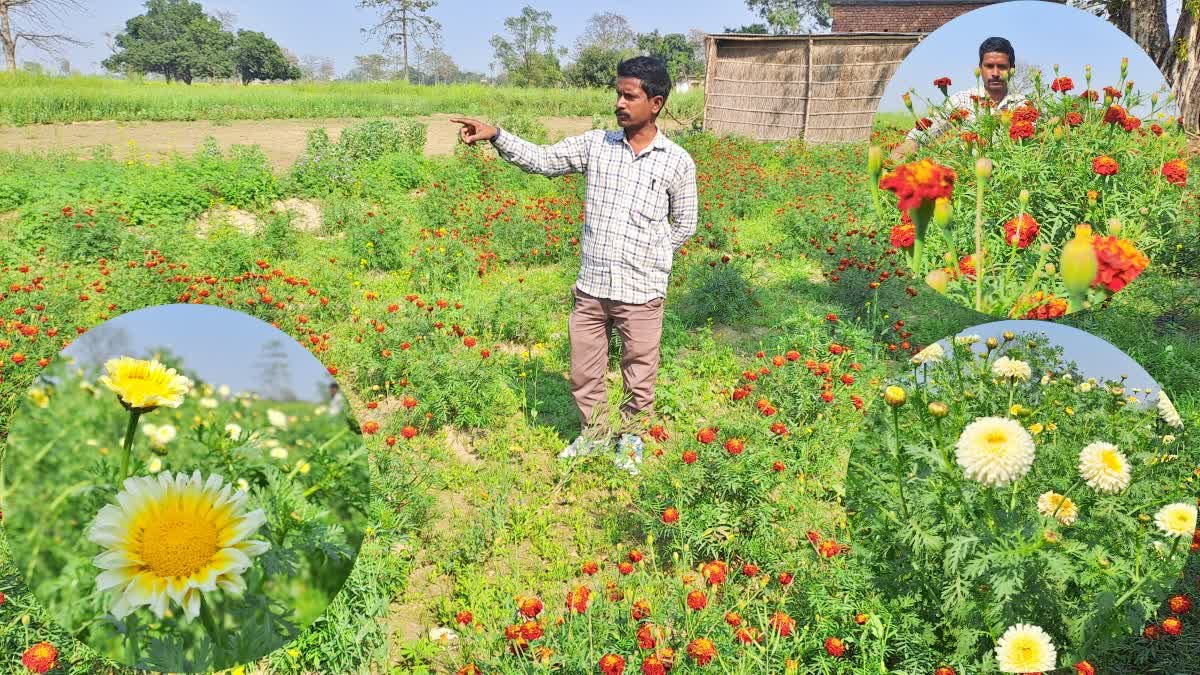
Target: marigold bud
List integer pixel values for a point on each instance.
(939, 409)
(875, 162)
(1078, 261)
(895, 396)
(938, 280)
(983, 168)
(943, 212)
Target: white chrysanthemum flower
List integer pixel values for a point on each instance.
(279, 453)
(209, 403)
(1177, 520)
(172, 538)
(164, 434)
(277, 419)
(232, 430)
(1011, 369)
(223, 391)
(1168, 439)
(154, 465)
(1025, 648)
(1045, 379)
(931, 354)
(995, 451)
(1084, 387)
(1167, 411)
(1062, 509)
(966, 340)
(1104, 467)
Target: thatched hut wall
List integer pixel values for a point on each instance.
(824, 88)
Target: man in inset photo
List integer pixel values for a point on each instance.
(997, 61)
(641, 207)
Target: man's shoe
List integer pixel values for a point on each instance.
(629, 453)
(580, 447)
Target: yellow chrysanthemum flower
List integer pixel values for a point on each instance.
(174, 537)
(1062, 509)
(1025, 649)
(1104, 467)
(1177, 520)
(995, 451)
(145, 385)
(1012, 369)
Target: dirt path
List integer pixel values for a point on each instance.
(281, 140)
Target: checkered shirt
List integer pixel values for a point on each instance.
(627, 246)
(961, 101)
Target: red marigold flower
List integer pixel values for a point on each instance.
(813, 536)
(626, 567)
(1090, 95)
(923, 123)
(827, 396)
(370, 427)
(689, 457)
(1044, 306)
(670, 515)
(3, 599)
(1180, 604)
(1020, 129)
(532, 630)
(966, 266)
(578, 599)
(653, 666)
(1112, 91)
(612, 664)
(777, 466)
(1119, 262)
(735, 446)
(969, 137)
(1026, 113)
(1021, 231)
(793, 355)
(408, 431)
(861, 618)
(469, 341)
(1156, 130)
(782, 624)
(1062, 85)
(785, 578)
(646, 637)
(697, 600)
(589, 568)
(1114, 115)
(464, 617)
(706, 435)
(531, 607)
(942, 82)
(1084, 668)
(715, 572)
(1172, 626)
(903, 236)
(658, 433)
(470, 669)
(733, 619)
(829, 548)
(1073, 119)
(1151, 632)
(1175, 172)
(702, 650)
(835, 647)
(779, 429)
(640, 610)
(747, 635)
(919, 182)
(40, 658)
(750, 569)
(635, 556)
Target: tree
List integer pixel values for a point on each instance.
(402, 22)
(175, 38)
(697, 38)
(528, 56)
(258, 57)
(608, 31)
(596, 66)
(227, 18)
(1174, 53)
(371, 68)
(753, 28)
(675, 50)
(313, 67)
(32, 21)
(792, 15)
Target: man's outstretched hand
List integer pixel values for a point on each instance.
(474, 130)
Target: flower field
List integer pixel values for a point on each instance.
(437, 292)
(1050, 208)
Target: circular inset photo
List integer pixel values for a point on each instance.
(184, 488)
(1032, 162)
(1024, 487)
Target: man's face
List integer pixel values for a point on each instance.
(994, 69)
(633, 108)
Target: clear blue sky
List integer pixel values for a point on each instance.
(220, 345)
(1042, 33)
(332, 27)
(1094, 356)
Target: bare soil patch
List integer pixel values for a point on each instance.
(306, 213)
(243, 221)
(281, 140)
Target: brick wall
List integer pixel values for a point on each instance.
(896, 18)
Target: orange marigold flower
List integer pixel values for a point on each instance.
(653, 666)
(578, 599)
(1180, 604)
(635, 556)
(1062, 85)
(1119, 262)
(923, 123)
(670, 515)
(1044, 306)
(640, 610)
(1175, 172)
(1021, 231)
(903, 236)
(1172, 626)
(532, 630)
(689, 457)
(464, 617)
(1114, 115)
(1084, 668)
(626, 567)
(658, 433)
(697, 600)
(733, 619)
(750, 570)
(706, 435)
(1073, 119)
(944, 670)
(782, 624)
(861, 618)
(531, 607)
(1105, 165)
(370, 427)
(589, 568)
(919, 182)
(612, 664)
(1026, 113)
(1130, 123)
(829, 548)
(735, 446)
(647, 637)
(702, 650)
(1020, 129)
(966, 266)
(40, 658)
(470, 669)
(715, 572)
(835, 647)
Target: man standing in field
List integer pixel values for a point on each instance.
(996, 63)
(637, 180)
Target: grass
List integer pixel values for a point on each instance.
(39, 99)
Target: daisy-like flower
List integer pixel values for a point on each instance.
(1167, 411)
(1025, 648)
(1062, 509)
(1177, 520)
(1104, 467)
(174, 538)
(931, 354)
(208, 402)
(966, 340)
(995, 451)
(232, 430)
(277, 419)
(144, 385)
(1011, 369)
(160, 435)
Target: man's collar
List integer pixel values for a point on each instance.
(659, 142)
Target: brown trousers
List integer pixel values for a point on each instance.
(590, 327)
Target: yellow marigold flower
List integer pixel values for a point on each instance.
(1177, 520)
(1104, 467)
(1062, 509)
(1025, 648)
(39, 398)
(1036, 428)
(144, 385)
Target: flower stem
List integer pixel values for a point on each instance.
(899, 464)
(130, 429)
(979, 245)
(210, 625)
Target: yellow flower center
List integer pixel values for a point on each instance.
(179, 544)
(1111, 461)
(996, 440)
(1025, 653)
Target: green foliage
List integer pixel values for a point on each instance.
(258, 57)
(175, 38)
(243, 179)
(368, 141)
(723, 291)
(595, 66)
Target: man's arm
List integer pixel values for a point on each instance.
(684, 205)
(566, 156)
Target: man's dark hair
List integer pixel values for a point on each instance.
(998, 44)
(656, 81)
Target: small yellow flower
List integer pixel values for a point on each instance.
(1036, 428)
(1070, 410)
(144, 385)
(39, 398)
